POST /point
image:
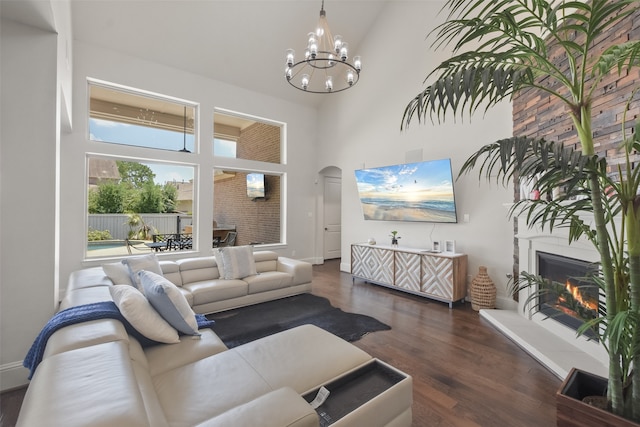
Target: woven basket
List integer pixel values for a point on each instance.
(483, 291)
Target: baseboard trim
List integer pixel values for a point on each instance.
(13, 375)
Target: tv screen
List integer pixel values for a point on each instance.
(409, 192)
(255, 185)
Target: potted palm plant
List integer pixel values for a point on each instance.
(500, 48)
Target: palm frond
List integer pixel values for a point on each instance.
(500, 48)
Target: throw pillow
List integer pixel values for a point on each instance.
(218, 254)
(137, 310)
(118, 273)
(167, 299)
(138, 263)
(238, 262)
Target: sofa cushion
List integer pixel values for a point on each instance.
(198, 269)
(163, 358)
(171, 270)
(85, 334)
(169, 302)
(282, 407)
(66, 388)
(216, 290)
(265, 261)
(237, 262)
(138, 263)
(277, 357)
(142, 316)
(118, 273)
(201, 390)
(268, 281)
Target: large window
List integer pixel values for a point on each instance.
(134, 205)
(247, 190)
(120, 116)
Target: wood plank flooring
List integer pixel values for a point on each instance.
(465, 373)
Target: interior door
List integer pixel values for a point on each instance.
(332, 217)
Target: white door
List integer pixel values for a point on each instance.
(332, 219)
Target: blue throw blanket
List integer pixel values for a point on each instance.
(86, 313)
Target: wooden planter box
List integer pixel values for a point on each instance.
(572, 412)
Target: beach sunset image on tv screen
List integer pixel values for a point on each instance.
(408, 192)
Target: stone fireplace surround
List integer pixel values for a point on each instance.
(550, 342)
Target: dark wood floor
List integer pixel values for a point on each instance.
(465, 373)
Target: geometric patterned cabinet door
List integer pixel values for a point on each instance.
(444, 278)
(440, 276)
(408, 271)
(372, 263)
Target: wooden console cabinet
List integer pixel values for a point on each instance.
(441, 276)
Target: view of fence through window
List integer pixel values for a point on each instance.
(135, 206)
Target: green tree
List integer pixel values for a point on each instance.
(499, 49)
(135, 174)
(107, 198)
(170, 197)
(150, 199)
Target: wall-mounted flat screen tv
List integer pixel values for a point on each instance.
(408, 192)
(255, 186)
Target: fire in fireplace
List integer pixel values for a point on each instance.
(569, 298)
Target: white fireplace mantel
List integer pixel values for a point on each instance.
(553, 344)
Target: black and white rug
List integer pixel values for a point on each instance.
(241, 325)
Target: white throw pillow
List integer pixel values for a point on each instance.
(118, 273)
(218, 254)
(167, 299)
(238, 262)
(137, 310)
(139, 263)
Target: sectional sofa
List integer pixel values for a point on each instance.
(97, 374)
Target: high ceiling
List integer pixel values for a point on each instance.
(240, 42)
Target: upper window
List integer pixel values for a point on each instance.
(246, 138)
(120, 116)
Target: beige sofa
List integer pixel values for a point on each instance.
(95, 374)
(200, 282)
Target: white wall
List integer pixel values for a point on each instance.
(29, 109)
(361, 128)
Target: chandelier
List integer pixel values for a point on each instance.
(325, 67)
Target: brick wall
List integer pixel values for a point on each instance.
(536, 114)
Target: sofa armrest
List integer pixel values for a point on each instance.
(281, 407)
(301, 271)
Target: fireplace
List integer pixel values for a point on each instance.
(568, 297)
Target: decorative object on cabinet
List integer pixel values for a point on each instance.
(435, 246)
(450, 246)
(483, 291)
(371, 241)
(437, 276)
(394, 238)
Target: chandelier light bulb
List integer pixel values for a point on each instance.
(350, 77)
(289, 73)
(290, 57)
(305, 81)
(344, 50)
(337, 43)
(357, 63)
(329, 84)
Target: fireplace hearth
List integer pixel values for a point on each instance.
(568, 296)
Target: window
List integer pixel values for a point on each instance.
(120, 116)
(134, 205)
(255, 215)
